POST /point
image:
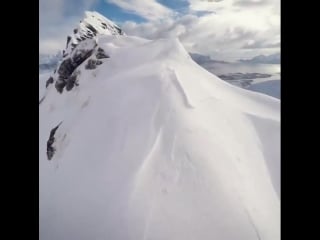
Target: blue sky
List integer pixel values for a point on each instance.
(224, 29)
(115, 13)
(119, 15)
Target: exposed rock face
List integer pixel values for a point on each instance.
(65, 70)
(68, 41)
(81, 46)
(72, 80)
(92, 64)
(49, 81)
(41, 100)
(68, 66)
(101, 54)
(50, 149)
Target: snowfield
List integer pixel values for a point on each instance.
(152, 146)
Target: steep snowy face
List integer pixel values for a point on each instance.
(137, 141)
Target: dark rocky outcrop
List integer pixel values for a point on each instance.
(68, 41)
(92, 29)
(50, 149)
(101, 54)
(64, 54)
(92, 64)
(73, 45)
(72, 81)
(41, 100)
(119, 30)
(73, 56)
(49, 81)
(67, 68)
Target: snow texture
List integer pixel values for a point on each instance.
(152, 146)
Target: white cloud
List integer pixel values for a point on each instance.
(148, 9)
(252, 3)
(57, 18)
(236, 29)
(208, 5)
(50, 46)
(230, 33)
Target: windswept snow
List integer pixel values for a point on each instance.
(152, 146)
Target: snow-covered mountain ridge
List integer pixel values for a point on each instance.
(92, 25)
(137, 141)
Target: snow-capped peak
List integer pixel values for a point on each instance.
(93, 24)
(81, 45)
(137, 141)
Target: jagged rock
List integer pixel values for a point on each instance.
(50, 149)
(60, 84)
(67, 68)
(73, 45)
(92, 64)
(79, 50)
(72, 81)
(64, 54)
(41, 100)
(81, 56)
(68, 40)
(101, 54)
(49, 81)
(93, 30)
(119, 30)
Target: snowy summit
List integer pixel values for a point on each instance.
(137, 141)
(92, 25)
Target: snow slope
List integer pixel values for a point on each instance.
(42, 83)
(152, 146)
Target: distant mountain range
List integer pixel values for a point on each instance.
(202, 59)
(270, 59)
